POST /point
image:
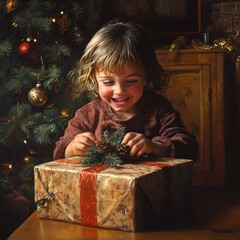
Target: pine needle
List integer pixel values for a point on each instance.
(44, 134)
(34, 15)
(77, 10)
(24, 78)
(5, 49)
(57, 52)
(94, 156)
(12, 128)
(116, 137)
(112, 160)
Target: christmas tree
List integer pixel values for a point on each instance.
(39, 44)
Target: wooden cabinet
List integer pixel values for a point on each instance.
(198, 90)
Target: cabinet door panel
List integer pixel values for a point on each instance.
(188, 91)
(198, 90)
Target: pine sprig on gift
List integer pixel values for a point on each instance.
(115, 138)
(93, 157)
(112, 160)
(108, 150)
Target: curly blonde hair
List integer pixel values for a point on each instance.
(112, 47)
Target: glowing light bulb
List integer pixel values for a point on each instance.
(64, 113)
(26, 159)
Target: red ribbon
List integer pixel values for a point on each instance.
(88, 193)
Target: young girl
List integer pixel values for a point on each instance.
(120, 71)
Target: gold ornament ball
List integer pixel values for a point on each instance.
(37, 96)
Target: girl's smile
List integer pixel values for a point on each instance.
(122, 90)
(120, 100)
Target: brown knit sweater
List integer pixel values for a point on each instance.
(155, 118)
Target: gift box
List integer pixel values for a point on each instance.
(131, 197)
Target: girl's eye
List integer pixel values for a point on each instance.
(131, 81)
(108, 82)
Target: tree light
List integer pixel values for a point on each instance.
(14, 24)
(8, 167)
(26, 159)
(64, 113)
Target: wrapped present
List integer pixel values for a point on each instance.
(132, 197)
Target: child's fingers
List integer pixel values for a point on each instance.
(90, 136)
(86, 138)
(128, 137)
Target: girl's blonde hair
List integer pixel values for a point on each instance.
(114, 45)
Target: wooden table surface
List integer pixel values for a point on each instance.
(215, 217)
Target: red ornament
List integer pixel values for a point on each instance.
(28, 50)
(24, 49)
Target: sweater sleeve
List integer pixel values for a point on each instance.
(76, 125)
(179, 142)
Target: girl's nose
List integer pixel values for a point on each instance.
(118, 88)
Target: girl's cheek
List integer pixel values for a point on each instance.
(104, 92)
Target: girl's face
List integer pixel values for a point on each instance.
(122, 90)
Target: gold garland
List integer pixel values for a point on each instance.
(230, 44)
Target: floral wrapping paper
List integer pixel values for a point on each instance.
(130, 198)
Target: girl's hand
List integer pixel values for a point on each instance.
(140, 145)
(80, 144)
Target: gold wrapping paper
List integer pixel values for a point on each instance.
(131, 198)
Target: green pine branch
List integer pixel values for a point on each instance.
(117, 137)
(112, 160)
(30, 122)
(10, 129)
(93, 157)
(114, 138)
(6, 130)
(34, 15)
(44, 128)
(5, 49)
(40, 128)
(57, 52)
(44, 134)
(23, 78)
(77, 10)
(109, 157)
